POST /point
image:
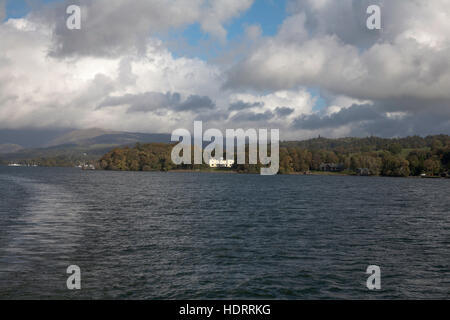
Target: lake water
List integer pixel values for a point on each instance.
(158, 235)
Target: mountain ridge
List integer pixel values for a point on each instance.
(78, 145)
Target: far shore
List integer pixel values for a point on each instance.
(310, 173)
(230, 171)
(205, 171)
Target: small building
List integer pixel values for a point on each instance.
(363, 172)
(87, 166)
(331, 167)
(220, 163)
(14, 165)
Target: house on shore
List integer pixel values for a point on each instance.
(220, 163)
(363, 172)
(331, 167)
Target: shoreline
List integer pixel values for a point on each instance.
(225, 171)
(312, 173)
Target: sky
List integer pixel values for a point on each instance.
(306, 67)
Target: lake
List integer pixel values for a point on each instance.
(154, 235)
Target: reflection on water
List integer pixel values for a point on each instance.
(194, 235)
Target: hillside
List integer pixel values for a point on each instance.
(97, 136)
(9, 148)
(77, 137)
(77, 146)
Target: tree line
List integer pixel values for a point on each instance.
(400, 157)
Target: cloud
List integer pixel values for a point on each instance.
(403, 68)
(248, 116)
(300, 101)
(218, 116)
(383, 71)
(346, 19)
(144, 102)
(118, 74)
(284, 111)
(355, 113)
(158, 102)
(241, 105)
(321, 46)
(196, 103)
(42, 91)
(114, 27)
(217, 12)
(368, 119)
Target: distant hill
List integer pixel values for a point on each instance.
(77, 136)
(31, 138)
(127, 138)
(9, 148)
(78, 145)
(63, 155)
(96, 136)
(44, 138)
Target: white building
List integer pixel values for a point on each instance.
(220, 163)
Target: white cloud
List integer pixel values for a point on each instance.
(140, 89)
(400, 66)
(218, 12)
(338, 103)
(402, 69)
(39, 90)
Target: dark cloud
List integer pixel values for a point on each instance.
(104, 32)
(144, 102)
(284, 111)
(365, 120)
(415, 124)
(241, 105)
(212, 116)
(248, 116)
(157, 102)
(196, 103)
(346, 116)
(345, 19)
